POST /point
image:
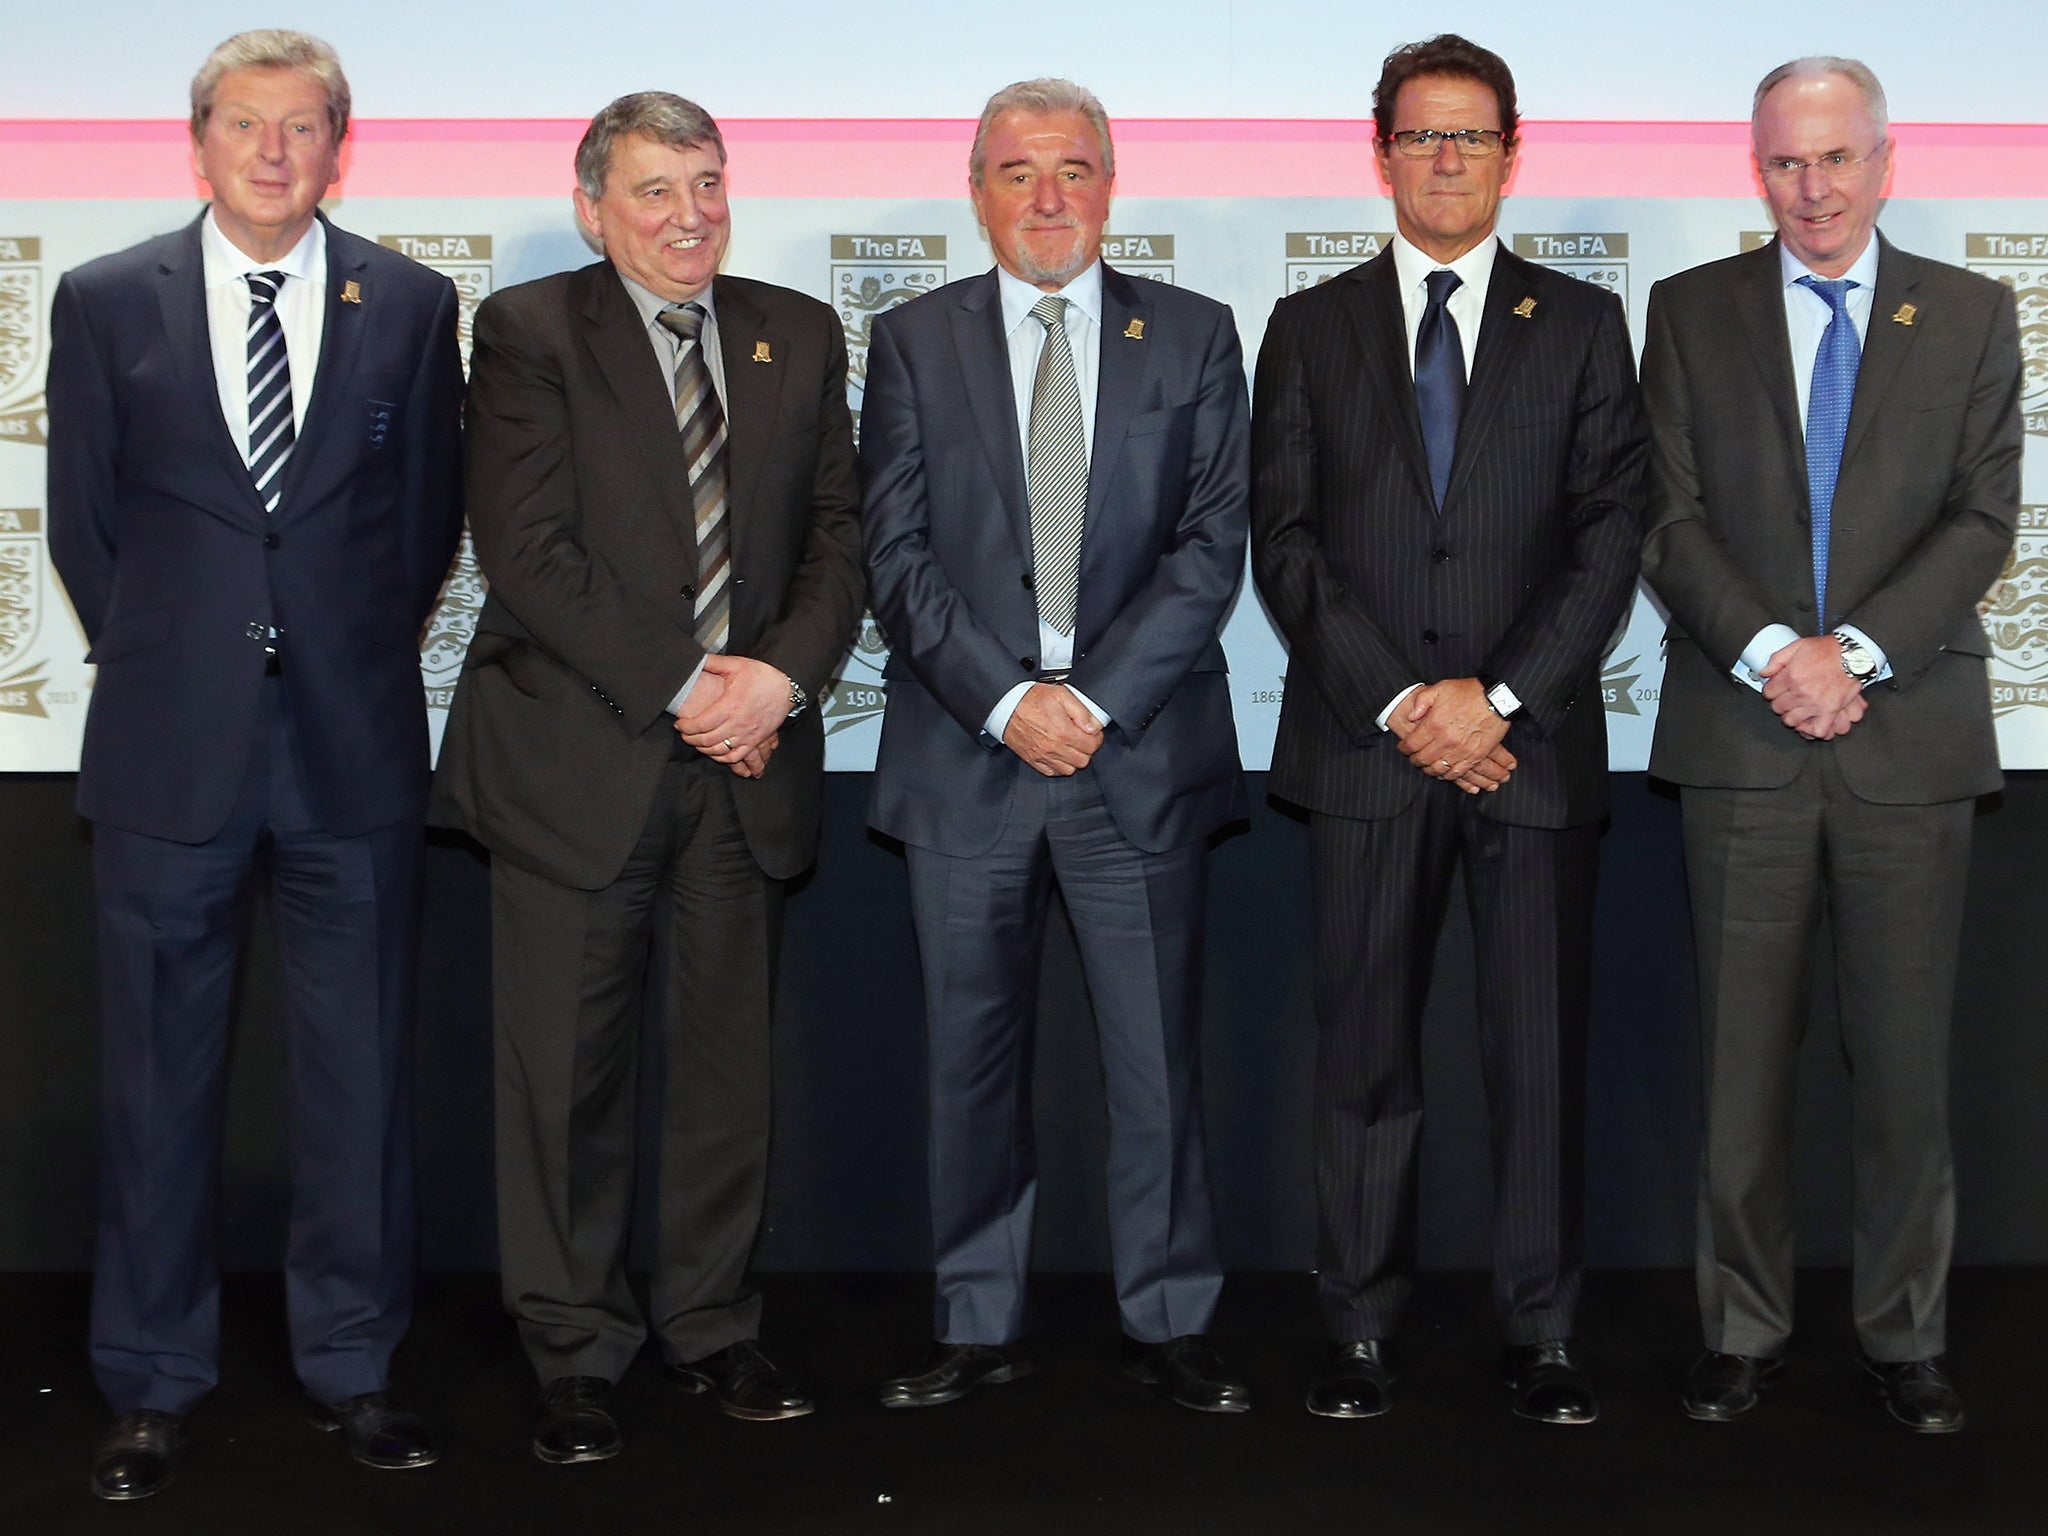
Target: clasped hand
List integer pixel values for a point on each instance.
(1805, 684)
(1052, 731)
(735, 712)
(1449, 731)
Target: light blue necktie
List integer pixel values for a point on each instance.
(1827, 423)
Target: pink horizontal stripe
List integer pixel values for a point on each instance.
(924, 158)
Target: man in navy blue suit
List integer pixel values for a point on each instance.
(1054, 463)
(254, 495)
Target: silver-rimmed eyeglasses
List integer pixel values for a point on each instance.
(1835, 165)
(1472, 143)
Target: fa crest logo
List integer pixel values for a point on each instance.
(452, 627)
(466, 260)
(2015, 615)
(1600, 259)
(1140, 255)
(2021, 263)
(872, 274)
(21, 591)
(23, 417)
(1316, 256)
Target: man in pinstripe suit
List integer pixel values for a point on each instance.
(1448, 461)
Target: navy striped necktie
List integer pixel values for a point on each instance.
(270, 390)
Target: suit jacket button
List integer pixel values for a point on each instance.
(1029, 584)
(1439, 555)
(1429, 637)
(690, 592)
(271, 541)
(1030, 663)
(255, 631)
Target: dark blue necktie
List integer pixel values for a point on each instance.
(270, 390)
(1439, 381)
(1827, 423)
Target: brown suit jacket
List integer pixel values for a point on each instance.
(579, 502)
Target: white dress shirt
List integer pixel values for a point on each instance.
(1465, 306)
(1806, 320)
(1026, 340)
(301, 313)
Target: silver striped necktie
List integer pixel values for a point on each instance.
(270, 390)
(1058, 472)
(701, 421)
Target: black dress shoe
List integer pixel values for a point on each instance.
(747, 1384)
(1549, 1386)
(953, 1370)
(379, 1432)
(138, 1455)
(1918, 1394)
(576, 1422)
(1189, 1371)
(1356, 1383)
(1721, 1387)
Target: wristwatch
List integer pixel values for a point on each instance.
(1501, 699)
(1856, 658)
(798, 699)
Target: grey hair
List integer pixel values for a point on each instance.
(657, 115)
(273, 48)
(1040, 96)
(1819, 67)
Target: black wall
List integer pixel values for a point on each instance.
(848, 1186)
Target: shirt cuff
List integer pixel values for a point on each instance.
(675, 705)
(999, 718)
(1766, 643)
(1388, 713)
(1884, 667)
(1101, 716)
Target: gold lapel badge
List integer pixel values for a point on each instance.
(1526, 310)
(351, 292)
(1905, 315)
(761, 354)
(1135, 330)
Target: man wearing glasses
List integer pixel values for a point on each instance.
(1448, 459)
(1836, 484)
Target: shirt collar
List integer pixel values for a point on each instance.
(1411, 266)
(651, 305)
(225, 262)
(1862, 271)
(1083, 291)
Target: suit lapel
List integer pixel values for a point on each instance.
(1381, 335)
(984, 356)
(181, 298)
(755, 359)
(1495, 361)
(1120, 371)
(625, 357)
(1760, 308)
(341, 339)
(1886, 344)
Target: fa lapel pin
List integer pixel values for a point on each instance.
(1526, 310)
(1135, 330)
(351, 292)
(1905, 315)
(761, 353)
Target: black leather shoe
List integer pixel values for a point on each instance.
(953, 1370)
(1549, 1385)
(576, 1422)
(138, 1455)
(1356, 1383)
(747, 1384)
(1189, 1371)
(379, 1432)
(1918, 1394)
(1721, 1387)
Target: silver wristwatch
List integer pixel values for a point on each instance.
(1856, 658)
(798, 699)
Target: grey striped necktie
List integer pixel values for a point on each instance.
(270, 390)
(1058, 472)
(701, 421)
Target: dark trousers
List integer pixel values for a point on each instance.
(571, 971)
(1761, 863)
(980, 929)
(171, 921)
(1379, 890)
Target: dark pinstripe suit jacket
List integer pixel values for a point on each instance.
(1521, 578)
(1924, 515)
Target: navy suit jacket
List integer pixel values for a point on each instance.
(948, 530)
(177, 573)
(1521, 577)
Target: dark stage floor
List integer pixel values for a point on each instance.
(1074, 1448)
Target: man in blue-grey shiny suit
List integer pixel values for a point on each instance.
(1054, 462)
